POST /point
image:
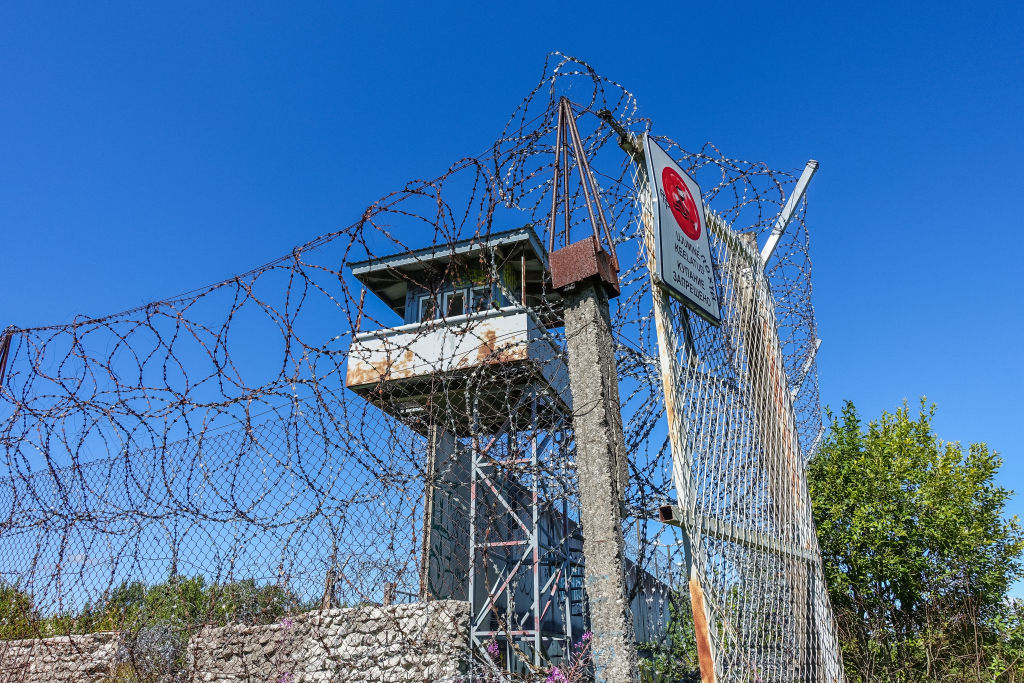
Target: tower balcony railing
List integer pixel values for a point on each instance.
(398, 368)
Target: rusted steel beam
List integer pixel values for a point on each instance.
(701, 631)
(585, 259)
(5, 349)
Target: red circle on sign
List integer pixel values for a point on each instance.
(684, 209)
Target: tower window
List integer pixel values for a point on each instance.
(481, 299)
(428, 307)
(454, 303)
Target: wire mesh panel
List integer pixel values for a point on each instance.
(749, 541)
(357, 462)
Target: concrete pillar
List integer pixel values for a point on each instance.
(602, 469)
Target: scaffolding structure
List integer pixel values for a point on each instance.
(530, 562)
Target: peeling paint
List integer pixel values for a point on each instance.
(432, 348)
(701, 632)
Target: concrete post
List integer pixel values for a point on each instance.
(601, 467)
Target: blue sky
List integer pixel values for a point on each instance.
(148, 149)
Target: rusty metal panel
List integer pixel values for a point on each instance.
(438, 346)
(582, 261)
(702, 634)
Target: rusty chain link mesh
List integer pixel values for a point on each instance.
(293, 452)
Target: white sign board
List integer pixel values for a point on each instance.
(682, 250)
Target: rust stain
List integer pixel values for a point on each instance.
(368, 365)
(507, 353)
(371, 364)
(487, 348)
(361, 372)
(701, 632)
(515, 352)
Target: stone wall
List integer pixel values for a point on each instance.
(397, 644)
(417, 642)
(64, 659)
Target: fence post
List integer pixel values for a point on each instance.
(586, 274)
(600, 457)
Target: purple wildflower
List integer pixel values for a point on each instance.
(492, 648)
(555, 675)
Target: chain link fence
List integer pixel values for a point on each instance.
(357, 462)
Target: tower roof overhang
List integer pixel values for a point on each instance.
(389, 277)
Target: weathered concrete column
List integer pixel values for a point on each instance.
(585, 274)
(602, 469)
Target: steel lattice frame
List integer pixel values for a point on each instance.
(523, 554)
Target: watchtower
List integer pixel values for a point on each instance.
(475, 369)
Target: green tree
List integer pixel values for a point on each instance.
(17, 613)
(918, 554)
(186, 602)
(246, 602)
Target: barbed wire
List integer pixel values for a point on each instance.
(380, 417)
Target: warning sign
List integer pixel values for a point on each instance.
(682, 250)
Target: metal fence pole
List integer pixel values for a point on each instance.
(682, 477)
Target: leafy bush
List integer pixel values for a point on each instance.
(674, 658)
(918, 554)
(17, 613)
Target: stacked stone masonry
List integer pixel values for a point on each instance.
(67, 659)
(417, 642)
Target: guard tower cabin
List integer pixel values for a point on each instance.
(473, 311)
(473, 369)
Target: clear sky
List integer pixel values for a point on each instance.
(150, 148)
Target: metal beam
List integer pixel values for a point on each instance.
(727, 531)
(682, 457)
(787, 212)
(813, 450)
